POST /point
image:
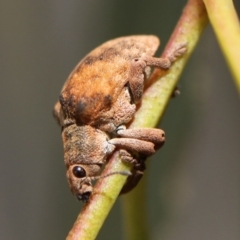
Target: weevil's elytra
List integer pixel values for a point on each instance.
(108, 68)
(97, 101)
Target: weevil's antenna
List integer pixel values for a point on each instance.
(124, 173)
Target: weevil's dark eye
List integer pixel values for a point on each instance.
(79, 172)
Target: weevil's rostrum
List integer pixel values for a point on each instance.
(97, 101)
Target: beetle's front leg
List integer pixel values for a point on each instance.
(142, 140)
(153, 135)
(135, 145)
(142, 147)
(137, 171)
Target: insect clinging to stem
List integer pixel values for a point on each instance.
(96, 103)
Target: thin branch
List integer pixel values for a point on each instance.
(225, 23)
(156, 97)
(154, 102)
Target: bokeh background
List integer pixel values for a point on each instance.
(193, 182)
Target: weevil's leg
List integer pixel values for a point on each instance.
(138, 66)
(165, 63)
(57, 113)
(142, 147)
(136, 73)
(136, 78)
(178, 52)
(127, 157)
(154, 135)
(59, 116)
(137, 161)
(132, 181)
(137, 170)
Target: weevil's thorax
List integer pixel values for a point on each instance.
(84, 145)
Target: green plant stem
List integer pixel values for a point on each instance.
(156, 97)
(154, 102)
(135, 213)
(225, 23)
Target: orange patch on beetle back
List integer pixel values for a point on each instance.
(99, 78)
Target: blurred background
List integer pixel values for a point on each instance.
(193, 182)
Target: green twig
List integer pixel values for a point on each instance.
(135, 213)
(156, 97)
(225, 23)
(154, 102)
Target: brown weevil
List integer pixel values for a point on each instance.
(97, 101)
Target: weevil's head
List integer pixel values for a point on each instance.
(85, 152)
(80, 181)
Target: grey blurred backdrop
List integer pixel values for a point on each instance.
(194, 183)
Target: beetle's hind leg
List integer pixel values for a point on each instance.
(138, 69)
